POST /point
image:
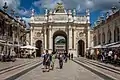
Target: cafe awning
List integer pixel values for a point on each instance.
(114, 46)
(28, 47)
(99, 46)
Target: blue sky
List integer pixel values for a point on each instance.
(97, 7)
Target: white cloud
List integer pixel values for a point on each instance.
(24, 12)
(15, 4)
(79, 4)
(12, 4)
(46, 3)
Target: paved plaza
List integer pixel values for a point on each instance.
(76, 69)
(19, 61)
(70, 71)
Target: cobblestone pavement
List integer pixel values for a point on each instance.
(70, 71)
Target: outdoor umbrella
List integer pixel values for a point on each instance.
(28, 47)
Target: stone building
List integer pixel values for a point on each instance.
(12, 33)
(61, 22)
(107, 32)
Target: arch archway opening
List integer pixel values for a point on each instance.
(39, 46)
(60, 42)
(81, 48)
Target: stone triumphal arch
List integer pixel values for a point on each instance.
(61, 22)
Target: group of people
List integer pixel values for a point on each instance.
(106, 55)
(110, 56)
(49, 60)
(8, 57)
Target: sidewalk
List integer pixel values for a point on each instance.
(19, 61)
(102, 63)
(70, 71)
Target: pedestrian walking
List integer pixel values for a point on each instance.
(53, 60)
(2, 56)
(72, 56)
(65, 57)
(110, 55)
(61, 60)
(44, 60)
(47, 61)
(69, 56)
(115, 58)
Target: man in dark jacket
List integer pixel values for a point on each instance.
(46, 61)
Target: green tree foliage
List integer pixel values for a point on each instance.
(61, 41)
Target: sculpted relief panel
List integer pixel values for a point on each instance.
(80, 35)
(38, 35)
(81, 19)
(39, 18)
(60, 18)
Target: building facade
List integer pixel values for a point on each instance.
(107, 32)
(60, 22)
(12, 33)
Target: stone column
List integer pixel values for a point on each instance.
(13, 39)
(50, 39)
(31, 37)
(76, 49)
(88, 37)
(18, 37)
(74, 39)
(70, 37)
(45, 39)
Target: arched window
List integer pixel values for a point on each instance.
(95, 40)
(116, 34)
(99, 38)
(109, 36)
(103, 38)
